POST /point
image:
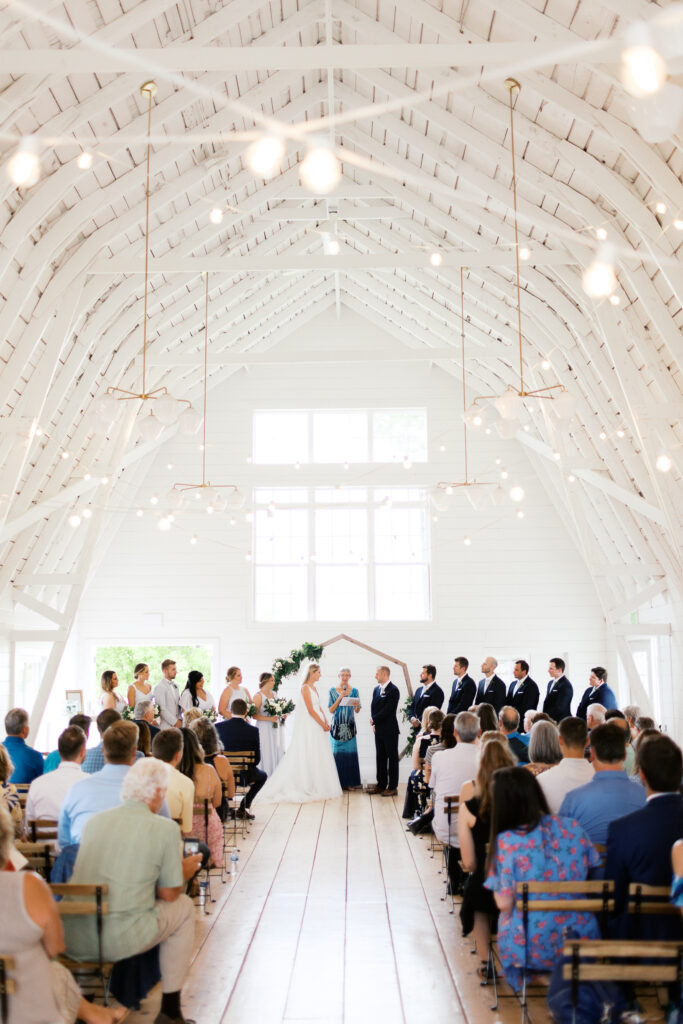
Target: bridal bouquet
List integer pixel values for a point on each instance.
(128, 713)
(278, 707)
(251, 710)
(210, 713)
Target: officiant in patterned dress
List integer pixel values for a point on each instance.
(343, 730)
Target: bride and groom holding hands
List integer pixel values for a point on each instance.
(308, 771)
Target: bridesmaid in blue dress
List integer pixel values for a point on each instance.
(343, 731)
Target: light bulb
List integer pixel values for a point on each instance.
(509, 404)
(209, 510)
(265, 155)
(154, 500)
(660, 207)
(678, 224)
(139, 513)
(174, 498)
(149, 427)
(164, 524)
(65, 455)
(236, 499)
(169, 465)
(193, 538)
(571, 478)
(603, 435)
(249, 517)
(519, 514)
(524, 253)
(546, 364)
(449, 490)
(166, 410)
(599, 279)
(504, 474)
(466, 541)
(216, 215)
(621, 433)
(87, 513)
(333, 247)
(664, 463)
(233, 521)
(106, 408)
(556, 456)
(614, 300)
(473, 417)
(436, 259)
(104, 480)
(74, 520)
(320, 170)
(442, 447)
(88, 476)
(84, 161)
(23, 167)
(517, 493)
(564, 405)
(643, 69)
(189, 421)
(526, 428)
(601, 233)
(435, 519)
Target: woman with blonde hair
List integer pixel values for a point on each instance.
(110, 697)
(140, 688)
(232, 691)
(308, 770)
(474, 824)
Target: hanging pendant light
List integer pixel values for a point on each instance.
(510, 404)
(206, 496)
(166, 409)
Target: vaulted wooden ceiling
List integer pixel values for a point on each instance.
(422, 125)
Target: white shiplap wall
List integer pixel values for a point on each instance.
(520, 590)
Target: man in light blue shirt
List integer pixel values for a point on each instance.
(610, 794)
(101, 791)
(27, 762)
(94, 758)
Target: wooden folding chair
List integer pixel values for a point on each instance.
(86, 901)
(40, 857)
(595, 897)
(42, 830)
(649, 899)
(6, 986)
(450, 805)
(622, 960)
(240, 762)
(22, 789)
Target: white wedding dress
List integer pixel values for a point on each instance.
(307, 772)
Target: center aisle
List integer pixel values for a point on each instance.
(335, 917)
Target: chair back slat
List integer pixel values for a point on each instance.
(41, 829)
(650, 899)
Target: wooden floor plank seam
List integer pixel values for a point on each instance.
(386, 904)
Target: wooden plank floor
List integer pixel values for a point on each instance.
(335, 917)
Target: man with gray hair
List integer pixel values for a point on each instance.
(28, 763)
(450, 770)
(595, 716)
(137, 855)
(144, 712)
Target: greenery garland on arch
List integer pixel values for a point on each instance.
(283, 667)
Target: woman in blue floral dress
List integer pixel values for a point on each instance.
(530, 845)
(343, 730)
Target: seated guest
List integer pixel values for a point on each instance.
(94, 758)
(595, 716)
(168, 747)
(28, 763)
(530, 719)
(237, 734)
(573, 770)
(416, 789)
(509, 726)
(192, 715)
(544, 747)
(610, 794)
(137, 854)
(205, 731)
(207, 786)
(597, 693)
(31, 933)
(9, 798)
(631, 713)
(643, 723)
(447, 741)
(488, 717)
(144, 739)
(529, 844)
(474, 826)
(47, 794)
(639, 844)
(52, 760)
(643, 735)
(144, 712)
(619, 719)
(102, 790)
(677, 881)
(450, 770)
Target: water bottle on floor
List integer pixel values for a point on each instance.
(203, 893)
(234, 857)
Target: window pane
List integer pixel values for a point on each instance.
(341, 535)
(398, 494)
(340, 437)
(340, 495)
(401, 592)
(281, 537)
(399, 535)
(281, 593)
(280, 496)
(399, 434)
(341, 592)
(280, 437)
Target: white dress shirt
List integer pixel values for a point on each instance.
(46, 793)
(569, 774)
(450, 769)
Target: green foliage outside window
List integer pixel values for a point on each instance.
(123, 660)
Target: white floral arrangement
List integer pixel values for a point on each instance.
(278, 708)
(210, 713)
(128, 713)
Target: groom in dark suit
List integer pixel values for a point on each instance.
(385, 727)
(558, 698)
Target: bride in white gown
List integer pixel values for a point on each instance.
(307, 772)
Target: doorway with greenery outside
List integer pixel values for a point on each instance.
(123, 660)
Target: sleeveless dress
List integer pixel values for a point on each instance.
(272, 745)
(140, 695)
(33, 1001)
(203, 705)
(240, 693)
(308, 771)
(119, 703)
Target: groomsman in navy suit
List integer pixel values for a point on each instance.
(597, 693)
(558, 697)
(385, 727)
(491, 689)
(464, 688)
(523, 692)
(428, 695)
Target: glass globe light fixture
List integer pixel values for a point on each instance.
(599, 279)
(190, 421)
(264, 156)
(23, 167)
(149, 427)
(643, 69)
(564, 405)
(107, 408)
(320, 170)
(166, 410)
(509, 404)
(517, 493)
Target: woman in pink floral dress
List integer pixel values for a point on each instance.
(530, 845)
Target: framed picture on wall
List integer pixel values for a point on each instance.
(74, 702)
